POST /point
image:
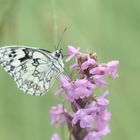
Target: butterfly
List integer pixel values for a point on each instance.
(34, 70)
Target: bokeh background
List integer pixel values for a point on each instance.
(109, 27)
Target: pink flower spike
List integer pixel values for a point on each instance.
(88, 116)
(113, 66)
(72, 52)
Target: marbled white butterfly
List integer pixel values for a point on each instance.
(34, 70)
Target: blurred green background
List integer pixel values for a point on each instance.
(109, 27)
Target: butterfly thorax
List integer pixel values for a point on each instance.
(58, 56)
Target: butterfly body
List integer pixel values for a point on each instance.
(34, 70)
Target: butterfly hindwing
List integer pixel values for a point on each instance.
(34, 70)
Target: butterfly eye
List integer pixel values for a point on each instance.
(57, 55)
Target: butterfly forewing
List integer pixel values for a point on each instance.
(34, 70)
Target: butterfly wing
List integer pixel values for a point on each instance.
(34, 70)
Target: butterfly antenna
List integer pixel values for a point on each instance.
(61, 38)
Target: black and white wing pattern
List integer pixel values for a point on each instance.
(34, 70)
